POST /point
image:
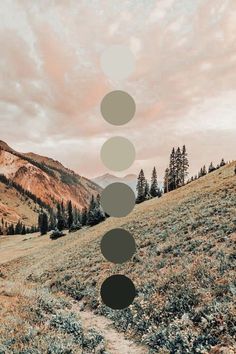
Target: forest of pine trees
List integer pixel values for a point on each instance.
(69, 217)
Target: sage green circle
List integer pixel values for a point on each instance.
(117, 199)
(118, 246)
(118, 107)
(117, 62)
(118, 153)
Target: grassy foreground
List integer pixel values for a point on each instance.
(184, 272)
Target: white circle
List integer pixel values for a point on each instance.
(117, 62)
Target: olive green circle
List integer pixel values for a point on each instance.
(117, 199)
(118, 246)
(118, 107)
(118, 153)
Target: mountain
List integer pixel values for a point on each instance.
(183, 271)
(130, 179)
(106, 179)
(44, 177)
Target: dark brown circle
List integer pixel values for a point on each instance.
(118, 292)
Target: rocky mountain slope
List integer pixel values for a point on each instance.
(46, 178)
(183, 270)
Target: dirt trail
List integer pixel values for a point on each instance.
(116, 343)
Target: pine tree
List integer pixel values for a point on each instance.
(222, 163)
(43, 227)
(204, 171)
(18, 228)
(84, 216)
(60, 218)
(179, 167)
(23, 232)
(141, 183)
(70, 218)
(147, 194)
(172, 171)
(95, 213)
(154, 189)
(211, 168)
(166, 181)
(185, 165)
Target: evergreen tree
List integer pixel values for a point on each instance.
(204, 171)
(52, 220)
(166, 181)
(185, 165)
(179, 168)
(70, 218)
(172, 171)
(84, 216)
(141, 183)
(23, 232)
(222, 163)
(43, 227)
(95, 213)
(147, 191)
(18, 228)
(154, 189)
(11, 230)
(60, 217)
(211, 168)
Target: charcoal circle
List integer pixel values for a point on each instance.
(118, 246)
(118, 292)
(117, 199)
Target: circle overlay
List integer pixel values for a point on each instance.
(117, 62)
(118, 246)
(118, 107)
(118, 153)
(117, 199)
(118, 292)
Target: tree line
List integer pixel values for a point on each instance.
(70, 217)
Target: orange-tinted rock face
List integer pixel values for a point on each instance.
(47, 179)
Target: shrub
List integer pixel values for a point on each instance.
(75, 227)
(56, 234)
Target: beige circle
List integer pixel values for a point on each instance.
(117, 199)
(118, 107)
(118, 153)
(117, 62)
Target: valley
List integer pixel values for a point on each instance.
(184, 272)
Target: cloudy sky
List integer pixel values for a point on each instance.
(184, 82)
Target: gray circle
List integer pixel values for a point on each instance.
(118, 153)
(118, 246)
(117, 62)
(117, 199)
(118, 107)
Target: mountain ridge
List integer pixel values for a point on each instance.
(46, 178)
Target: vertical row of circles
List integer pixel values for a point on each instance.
(117, 199)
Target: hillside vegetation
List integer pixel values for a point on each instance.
(184, 272)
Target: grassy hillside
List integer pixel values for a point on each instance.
(184, 272)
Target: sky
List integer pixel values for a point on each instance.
(184, 82)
